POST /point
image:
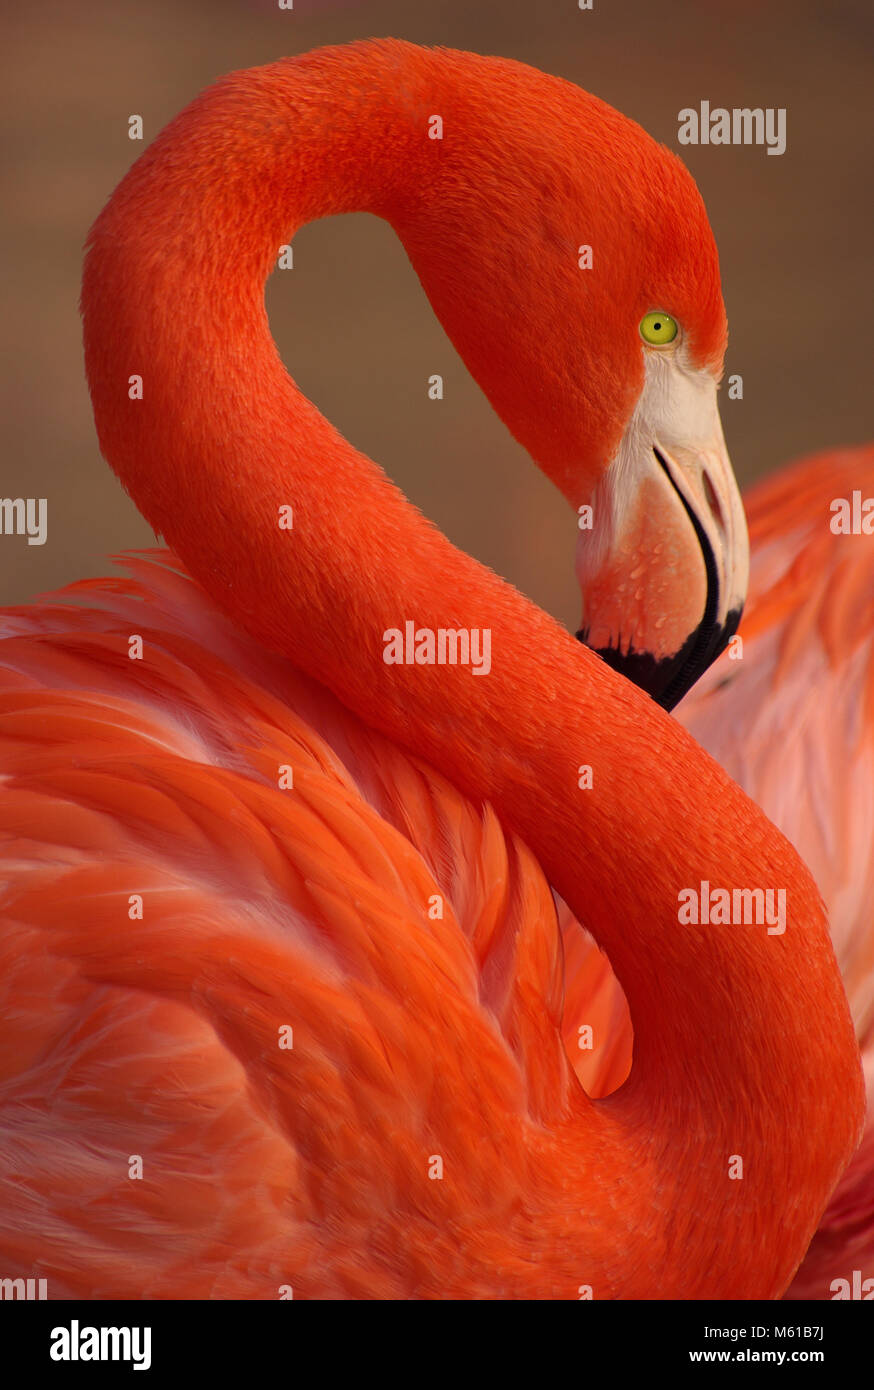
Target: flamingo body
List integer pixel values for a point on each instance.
(261, 909)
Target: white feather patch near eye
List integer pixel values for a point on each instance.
(676, 408)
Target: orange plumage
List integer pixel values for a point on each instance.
(277, 916)
(792, 721)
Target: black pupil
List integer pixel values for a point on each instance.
(656, 327)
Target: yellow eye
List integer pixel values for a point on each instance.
(658, 329)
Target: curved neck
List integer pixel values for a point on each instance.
(728, 1058)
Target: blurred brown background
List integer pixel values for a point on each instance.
(352, 323)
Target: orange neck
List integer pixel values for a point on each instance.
(743, 1042)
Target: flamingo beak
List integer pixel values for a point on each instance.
(664, 584)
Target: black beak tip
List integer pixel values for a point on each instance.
(668, 679)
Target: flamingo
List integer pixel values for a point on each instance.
(282, 974)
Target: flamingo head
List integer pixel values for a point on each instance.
(570, 258)
(663, 556)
